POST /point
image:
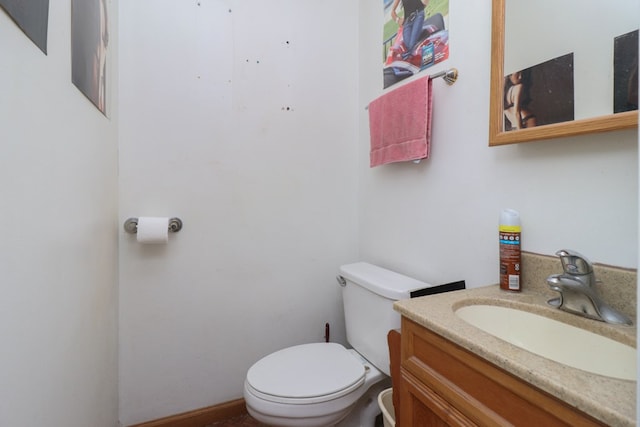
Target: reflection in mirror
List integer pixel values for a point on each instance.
(554, 75)
(539, 95)
(625, 72)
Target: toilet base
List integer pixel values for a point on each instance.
(366, 411)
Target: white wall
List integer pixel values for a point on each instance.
(438, 220)
(241, 119)
(246, 119)
(58, 259)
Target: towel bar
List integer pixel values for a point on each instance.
(449, 76)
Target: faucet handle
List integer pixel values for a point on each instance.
(574, 262)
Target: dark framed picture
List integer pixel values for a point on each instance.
(89, 48)
(625, 72)
(32, 16)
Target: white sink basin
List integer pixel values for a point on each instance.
(554, 340)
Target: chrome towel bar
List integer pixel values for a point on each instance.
(449, 76)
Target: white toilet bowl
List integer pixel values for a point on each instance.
(314, 385)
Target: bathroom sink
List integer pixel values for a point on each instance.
(554, 340)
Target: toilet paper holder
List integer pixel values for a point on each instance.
(131, 225)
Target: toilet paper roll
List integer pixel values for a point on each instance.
(153, 230)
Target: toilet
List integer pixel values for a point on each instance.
(326, 384)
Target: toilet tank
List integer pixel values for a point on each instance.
(368, 294)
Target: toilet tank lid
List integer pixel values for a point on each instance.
(381, 281)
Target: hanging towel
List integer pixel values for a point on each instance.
(400, 124)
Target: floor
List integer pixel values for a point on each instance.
(241, 421)
(247, 421)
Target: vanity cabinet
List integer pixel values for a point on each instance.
(443, 384)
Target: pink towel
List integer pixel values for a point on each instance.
(400, 124)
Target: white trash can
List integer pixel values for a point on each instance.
(385, 401)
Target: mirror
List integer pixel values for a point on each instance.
(576, 55)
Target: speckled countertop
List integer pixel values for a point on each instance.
(610, 400)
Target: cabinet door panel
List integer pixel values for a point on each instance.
(479, 390)
(422, 407)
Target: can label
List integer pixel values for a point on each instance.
(510, 258)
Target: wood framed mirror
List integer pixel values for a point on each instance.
(534, 53)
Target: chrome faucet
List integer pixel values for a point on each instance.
(578, 293)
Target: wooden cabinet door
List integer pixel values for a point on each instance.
(422, 407)
(445, 384)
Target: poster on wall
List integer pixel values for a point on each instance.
(32, 16)
(415, 37)
(89, 43)
(625, 72)
(539, 95)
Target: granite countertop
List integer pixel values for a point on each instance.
(609, 400)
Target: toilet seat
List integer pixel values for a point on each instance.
(308, 373)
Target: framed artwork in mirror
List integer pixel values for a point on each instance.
(625, 72)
